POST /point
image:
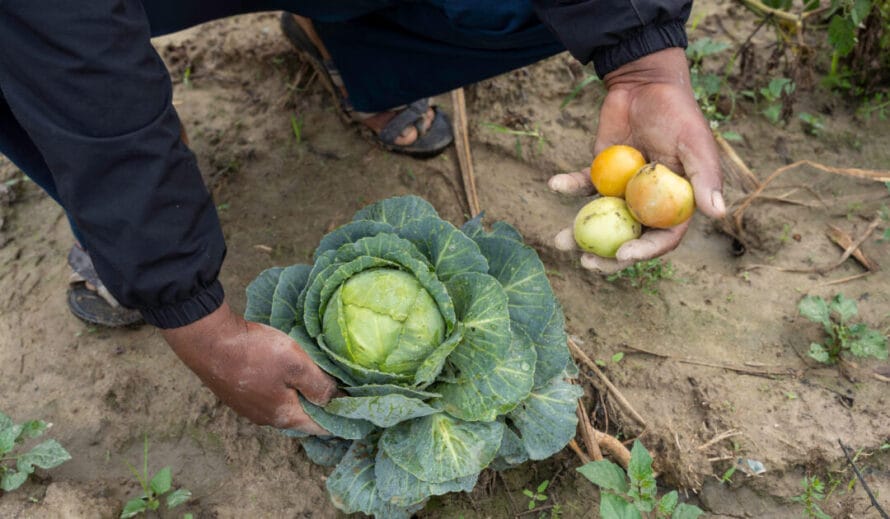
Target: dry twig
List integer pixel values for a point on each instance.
(581, 356)
(462, 144)
(844, 241)
(588, 434)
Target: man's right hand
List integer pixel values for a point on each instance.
(253, 368)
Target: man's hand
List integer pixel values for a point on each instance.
(650, 106)
(253, 368)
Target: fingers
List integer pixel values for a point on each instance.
(575, 184)
(307, 378)
(653, 243)
(698, 152)
(292, 416)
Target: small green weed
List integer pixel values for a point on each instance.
(707, 86)
(538, 495)
(159, 486)
(844, 336)
(645, 274)
(813, 492)
(811, 124)
(775, 94)
(296, 124)
(634, 494)
(535, 134)
(15, 467)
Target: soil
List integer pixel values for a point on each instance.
(714, 357)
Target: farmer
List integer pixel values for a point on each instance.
(86, 113)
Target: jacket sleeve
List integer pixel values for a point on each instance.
(84, 81)
(612, 33)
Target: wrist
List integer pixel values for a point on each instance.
(665, 66)
(200, 341)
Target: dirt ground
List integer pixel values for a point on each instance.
(719, 351)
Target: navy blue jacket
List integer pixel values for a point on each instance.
(83, 80)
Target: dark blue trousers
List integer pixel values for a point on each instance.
(389, 52)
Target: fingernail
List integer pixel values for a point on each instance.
(717, 202)
(565, 240)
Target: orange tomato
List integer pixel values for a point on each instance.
(613, 167)
(658, 197)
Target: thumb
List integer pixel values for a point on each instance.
(701, 163)
(306, 377)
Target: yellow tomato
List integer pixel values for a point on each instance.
(613, 167)
(658, 197)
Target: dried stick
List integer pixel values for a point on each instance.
(580, 355)
(585, 459)
(762, 371)
(748, 179)
(845, 241)
(720, 437)
(462, 144)
(588, 435)
(617, 449)
(871, 496)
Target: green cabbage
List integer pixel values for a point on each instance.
(448, 343)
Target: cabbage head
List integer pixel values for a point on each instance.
(448, 344)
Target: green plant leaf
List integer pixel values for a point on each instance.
(46, 455)
(684, 511)
(397, 211)
(450, 251)
(668, 503)
(533, 308)
(399, 487)
(843, 307)
(870, 343)
(353, 486)
(326, 452)
(133, 508)
(615, 507)
(439, 448)
(12, 480)
(178, 497)
(819, 353)
(842, 34)
(773, 112)
(815, 309)
(259, 295)
(5, 421)
(511, 452)
(606, 475)
(346, 428)
(546, 420)
(33, 429)
(383, 411)
(388, 389)
(642, 481)
(162, 481)
(496, 368)
(350, 233)
(285, 313)
(8, 436)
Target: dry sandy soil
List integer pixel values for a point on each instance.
(696, 352)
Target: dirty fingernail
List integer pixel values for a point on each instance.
(717, 202)
(565, 240)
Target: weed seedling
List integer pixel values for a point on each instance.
(844, 336)
(645, 274)
(634, 494)
(813, 492)
(296, 124)
(15, 467)
(536, 496)
(159, 486)
(536, 134)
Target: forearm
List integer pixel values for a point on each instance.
(85, 82)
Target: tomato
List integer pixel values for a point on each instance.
(658, 197)
(613, 167)
(603, 225)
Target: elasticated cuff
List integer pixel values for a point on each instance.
(647, 40)
(186, 312)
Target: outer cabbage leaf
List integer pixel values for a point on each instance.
(346, 428)
(399, 487)
(318, 356)
(432, 365)
(353, 486)
(511, 453)
(493, 369)
(383, 411)
(285, 314)
(389, 389)
(546, 420)
(450, 251)
(349, 233)
(259, 295)
(439, 448)
(397, 211)
(326, 452)
(534, 310)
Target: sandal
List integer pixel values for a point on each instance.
(89, 300)
(429, 143)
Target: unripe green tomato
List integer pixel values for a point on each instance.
(603, 225)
